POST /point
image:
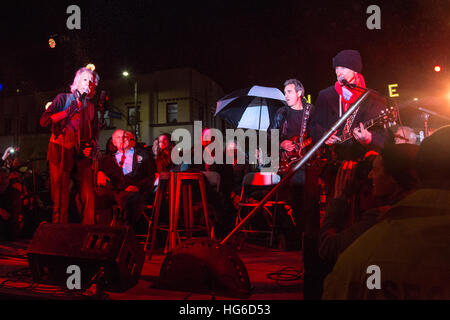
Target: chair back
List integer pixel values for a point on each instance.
(213, 178)
(261, 179)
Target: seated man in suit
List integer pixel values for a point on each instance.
(126, 176)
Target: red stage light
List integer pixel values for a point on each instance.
(437, 68)
(52, 43)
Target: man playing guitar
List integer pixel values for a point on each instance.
(332, 103)
(292, 121)
(350, 142)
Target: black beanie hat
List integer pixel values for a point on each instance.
(350, 59)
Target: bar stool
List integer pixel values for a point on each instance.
(177, 183)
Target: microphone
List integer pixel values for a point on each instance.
(343, 81)
(82, 96)
(85, 93)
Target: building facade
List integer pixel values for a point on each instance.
(162, 101)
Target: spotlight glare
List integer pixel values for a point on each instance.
(437, 68)
(90, 66)
(125, 74)
(52, 43)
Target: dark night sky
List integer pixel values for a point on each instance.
(236, 43)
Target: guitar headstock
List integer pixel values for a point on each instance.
(388, 117)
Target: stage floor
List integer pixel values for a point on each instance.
(274, 275)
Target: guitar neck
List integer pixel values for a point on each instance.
(305, 143)
(386, 117)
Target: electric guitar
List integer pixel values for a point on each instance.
(288, 158)
(387, 118)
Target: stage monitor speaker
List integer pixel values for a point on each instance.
(55, 247)
(203, 265)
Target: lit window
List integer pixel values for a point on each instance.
(172, 112)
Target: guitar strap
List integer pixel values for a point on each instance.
(304, 122)
(350, 119)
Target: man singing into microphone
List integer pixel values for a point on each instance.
(75, 131)
(334, 101)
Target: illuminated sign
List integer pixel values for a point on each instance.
(393, 90)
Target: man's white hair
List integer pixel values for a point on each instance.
(80, 71)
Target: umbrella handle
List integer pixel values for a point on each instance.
(260, 112)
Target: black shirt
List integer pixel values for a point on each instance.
(294, 122)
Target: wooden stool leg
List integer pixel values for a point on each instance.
(185, 211)
(176, 208)
(172, 183)
(155, 216)
(204, 203)
(191, 213)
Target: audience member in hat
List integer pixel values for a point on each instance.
(405, 255)
(393, 176)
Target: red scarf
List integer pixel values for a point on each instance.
(355, 91)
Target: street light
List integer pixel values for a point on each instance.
(126, 74)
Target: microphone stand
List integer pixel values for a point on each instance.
(426, 116)
(299, 164)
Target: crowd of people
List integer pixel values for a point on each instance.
(386, 194)
(23, 201)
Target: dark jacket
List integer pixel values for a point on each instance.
(409, 245)
(65, 157)
(326, 113)
(58, 105)
(335, 234)
(142, 174)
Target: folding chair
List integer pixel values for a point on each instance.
(261, 179)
